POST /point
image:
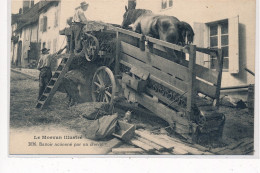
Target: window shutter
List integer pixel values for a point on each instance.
(44, 23)
(41, 24)
(200, 38)
(233, 44)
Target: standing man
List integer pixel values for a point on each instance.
(44, 65)
(78, 21)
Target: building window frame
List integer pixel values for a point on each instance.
(166, 4)
(218, 38)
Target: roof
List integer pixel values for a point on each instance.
(32, 15)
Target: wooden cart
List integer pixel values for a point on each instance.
(145, 74)
(142, 72)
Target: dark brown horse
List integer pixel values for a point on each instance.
(166, 28)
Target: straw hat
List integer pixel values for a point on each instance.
(84, 3)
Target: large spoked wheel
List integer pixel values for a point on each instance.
(103, 85)
(91, 48)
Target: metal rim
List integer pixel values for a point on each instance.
(91, 48)
(103, 85)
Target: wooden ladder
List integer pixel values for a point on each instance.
(55, 81)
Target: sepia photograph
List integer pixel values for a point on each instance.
(133, 78)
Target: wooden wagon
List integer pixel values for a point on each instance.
(142, 72)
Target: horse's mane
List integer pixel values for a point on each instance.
(133, 14)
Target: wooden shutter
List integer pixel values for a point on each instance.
(233, 44)
(44, 23)
(41, 24)
(200, 40)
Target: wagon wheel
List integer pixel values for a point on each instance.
(103, 85)
(91, 48)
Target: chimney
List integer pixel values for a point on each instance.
(26, 5)
(20, 10)
(131, 4)
(32, 3)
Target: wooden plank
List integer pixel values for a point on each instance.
(160, 110)
(118, 47)
(206, 74)
(167, 44)
(165, 65)
(180, 85)
(207, 51)
(154, 139)
(128, 39)
(156, 79)
(151, 143)
(206, 89)
(191, 89)
(130, 33)
(142, 145)
(179, 151)
(112, 144)
(187, 148)
(154, 40)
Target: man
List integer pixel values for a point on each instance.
(78, 22)
(44, 65)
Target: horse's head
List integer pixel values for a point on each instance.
(126, 18)
(186, 33)
(131, 15)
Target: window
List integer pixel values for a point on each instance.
(55, 19)
(166, 4)
(219, 34)
(43, 24)
(218, 38)
(54, 45)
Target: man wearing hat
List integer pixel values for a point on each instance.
(44, 65)
(78, 21)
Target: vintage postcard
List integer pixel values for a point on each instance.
(133, 77)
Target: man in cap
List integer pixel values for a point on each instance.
(44, 65)
(78, 21)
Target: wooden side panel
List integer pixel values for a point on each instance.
(129, 39)
(163, 64)
(180, 86)
(160, 110)
(206, 74)
(206, 89)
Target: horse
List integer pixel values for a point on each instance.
(163, 27)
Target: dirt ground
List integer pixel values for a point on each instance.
(239, 124)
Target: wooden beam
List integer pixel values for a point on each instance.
(154, 139)
(151, 143)
(207, 51)
(142, 145)
(192, 78)
(161, 63)
(206, 89)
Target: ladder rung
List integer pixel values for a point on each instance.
(50, 90)
(45, 94)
